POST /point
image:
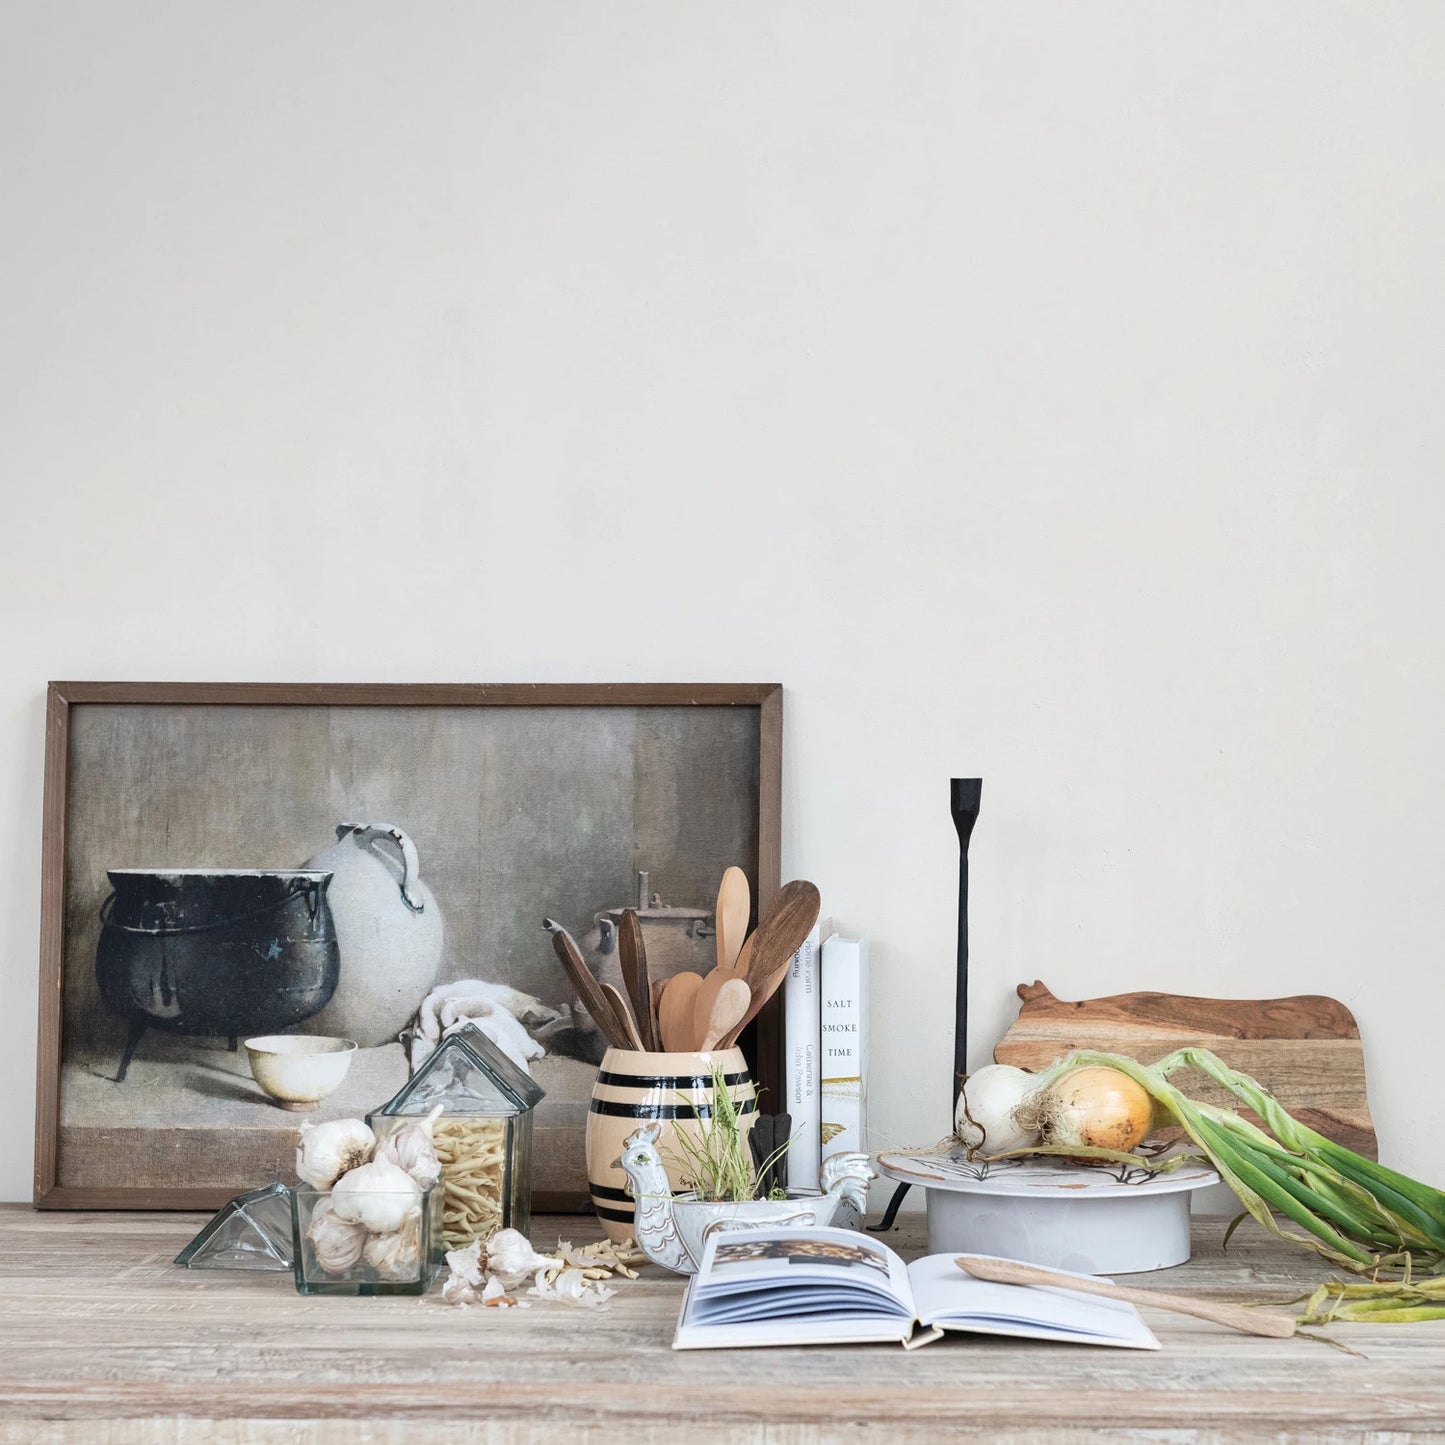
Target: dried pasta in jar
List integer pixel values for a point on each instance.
(473, 1154)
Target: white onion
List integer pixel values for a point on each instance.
(989, 1114)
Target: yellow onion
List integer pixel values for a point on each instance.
(1094, 1108)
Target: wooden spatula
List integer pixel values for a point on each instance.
(675, 1019)
(1272, 1324)
(593, 999)
(728, 1009)
(734, 904)
(781, 933)
(632, 953)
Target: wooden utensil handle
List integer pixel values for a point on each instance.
(623, 1015)
(1271, 1324)
(580, 975)
(633, 956)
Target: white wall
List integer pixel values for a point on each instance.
(1046, 392)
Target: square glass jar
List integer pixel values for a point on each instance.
(483, 1135)
(397, 1250)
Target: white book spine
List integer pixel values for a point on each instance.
(845, 1045)
(800, 1064)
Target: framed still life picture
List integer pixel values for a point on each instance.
(230, 869)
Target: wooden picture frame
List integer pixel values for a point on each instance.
(148, 702)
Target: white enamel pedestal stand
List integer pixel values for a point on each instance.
(1053, 1213)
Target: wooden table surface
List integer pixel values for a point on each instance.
(103, 1339)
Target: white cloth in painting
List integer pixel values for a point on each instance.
(504, 1014)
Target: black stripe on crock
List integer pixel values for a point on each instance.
(619, 1109)
(665, 1081)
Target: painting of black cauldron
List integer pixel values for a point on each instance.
(264, 901)
(220, 951)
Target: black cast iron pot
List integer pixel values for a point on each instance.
(216, 951)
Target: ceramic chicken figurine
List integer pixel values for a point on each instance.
(673, 1230)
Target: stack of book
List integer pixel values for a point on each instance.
(825, 1073)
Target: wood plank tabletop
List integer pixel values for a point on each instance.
(103, 1339)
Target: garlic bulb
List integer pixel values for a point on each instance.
(379, 1196)
(336, 1243)
(510, 1255)
(395, 1256)
(327, 1151)
(411, 1148)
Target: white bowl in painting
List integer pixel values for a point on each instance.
(298, 1070)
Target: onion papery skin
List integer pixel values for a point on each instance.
(1094, 1108)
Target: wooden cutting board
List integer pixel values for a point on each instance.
(1305, 1050)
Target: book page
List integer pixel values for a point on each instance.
(952, 1299)
(787, 1272)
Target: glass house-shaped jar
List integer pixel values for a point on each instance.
(483, 1136)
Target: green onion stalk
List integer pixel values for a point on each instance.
(1301, 1186)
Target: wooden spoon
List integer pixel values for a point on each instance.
(728, 1008)
(704, 999)
(633, 954)
(676, 1015)
(658, 984)
(1272, 1324)
(593, 999)
(781, 933)
(734, 904)
(624, 1017)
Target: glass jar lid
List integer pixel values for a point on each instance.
(467, 1074)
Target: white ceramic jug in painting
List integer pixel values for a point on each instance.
(389, 929)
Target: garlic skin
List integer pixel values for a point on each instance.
(466, 1264)
(411, 1148)
(336, 1243)
(572, 1287)
(395, 1256)
(327, 1151)
(510, 1255)
(379, 1196)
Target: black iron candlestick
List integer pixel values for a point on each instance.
(964, 797)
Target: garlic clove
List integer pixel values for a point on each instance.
(458, 1291)
(395, 1256)
(336, 1243)
(411, 1148)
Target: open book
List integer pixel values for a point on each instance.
(833, 1286)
